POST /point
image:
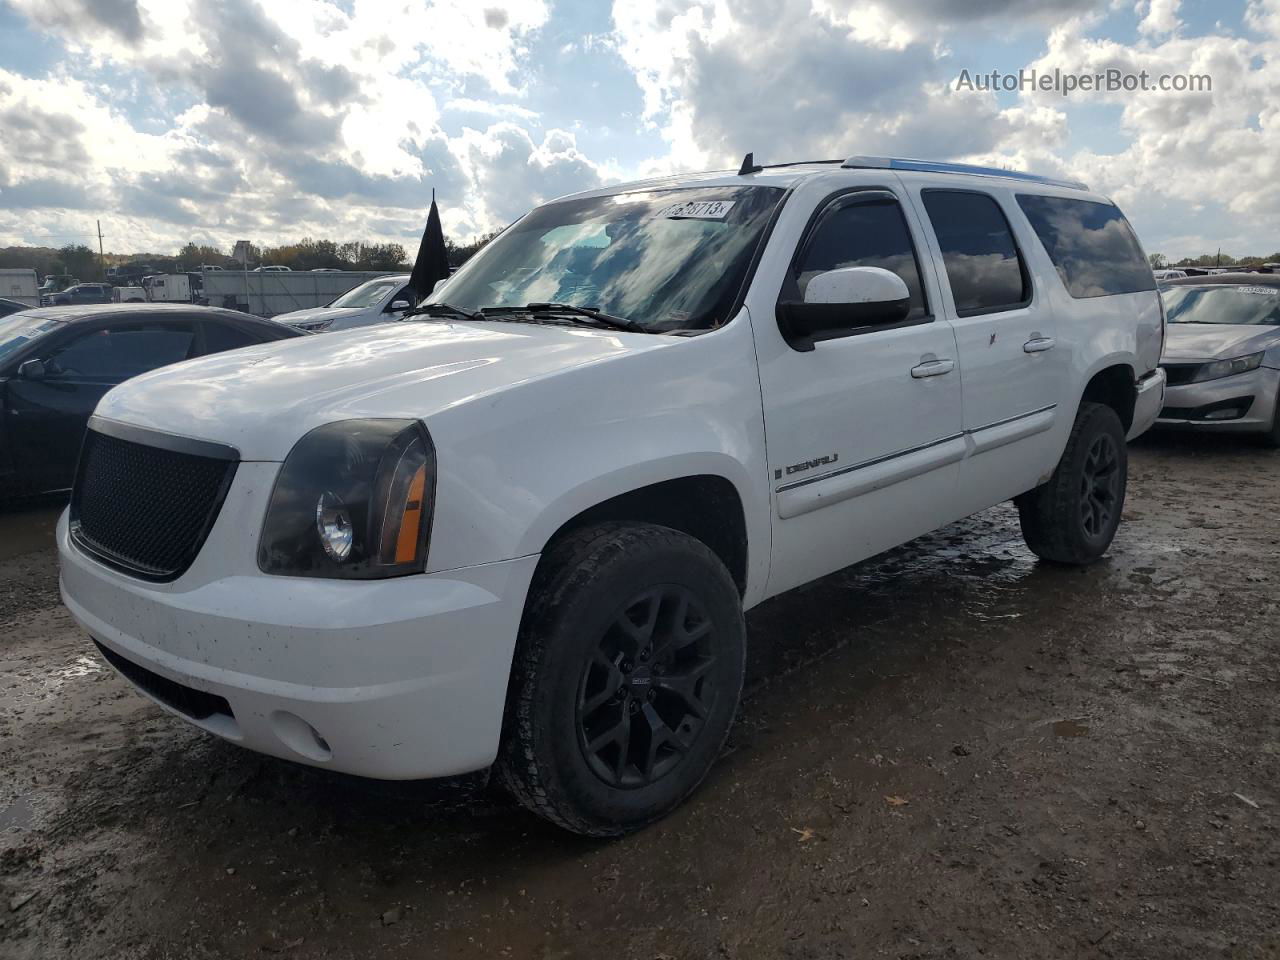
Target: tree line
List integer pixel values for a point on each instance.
(82, 262)
(1160, 262)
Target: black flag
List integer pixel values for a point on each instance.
(432, 264)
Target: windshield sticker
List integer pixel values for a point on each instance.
(697, 210)
(1264, 291)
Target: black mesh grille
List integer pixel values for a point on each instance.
(1177, 374)
(143, 508)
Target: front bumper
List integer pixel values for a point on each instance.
(393, 679)
(1187, 405)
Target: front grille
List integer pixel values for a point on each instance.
(186, 700)
(1177, 374)
(145, 509)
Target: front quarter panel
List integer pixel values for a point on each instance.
(517, 465)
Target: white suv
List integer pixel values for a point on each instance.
(521, 531)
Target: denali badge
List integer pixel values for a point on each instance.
(806, 465)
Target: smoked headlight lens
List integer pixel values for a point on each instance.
(353, 500)
(1227, 368)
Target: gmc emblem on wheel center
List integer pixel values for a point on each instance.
(806, 465)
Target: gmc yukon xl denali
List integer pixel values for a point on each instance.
(520, 530)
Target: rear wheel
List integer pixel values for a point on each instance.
(626, 679)
(1072, 518)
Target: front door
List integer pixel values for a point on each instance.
(47, 416)
(863, 431)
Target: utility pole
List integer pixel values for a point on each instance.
(102, 257)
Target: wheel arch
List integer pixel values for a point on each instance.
(700, 501)
(1113, 382)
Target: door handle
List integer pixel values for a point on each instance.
(932, 368)
(1039, 345)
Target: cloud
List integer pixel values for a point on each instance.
(85, 18)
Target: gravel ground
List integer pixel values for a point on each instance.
(949, 751)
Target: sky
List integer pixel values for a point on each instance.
(217, 120)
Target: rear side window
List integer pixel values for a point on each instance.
(860, 233)
(984, 266)
(222, 336)
(1091, 244)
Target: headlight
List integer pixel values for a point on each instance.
(353, 500)
(1227, 368)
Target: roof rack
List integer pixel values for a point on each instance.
(933, 166)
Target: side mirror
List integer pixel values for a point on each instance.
(838, 301)
(398, 305)
(32, 370)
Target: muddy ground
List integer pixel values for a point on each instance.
(951, 751)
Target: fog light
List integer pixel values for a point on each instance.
(1228, 414)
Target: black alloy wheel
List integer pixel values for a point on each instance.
(647, 688)
(1099, 485)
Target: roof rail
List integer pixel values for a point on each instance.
(934, 166)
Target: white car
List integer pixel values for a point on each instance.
(521, 532)
(379, 300)
(273, 269)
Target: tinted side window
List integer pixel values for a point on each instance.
(1090, 243)
(222, 336)
(982, 260)
(860, 234)
(116, 355)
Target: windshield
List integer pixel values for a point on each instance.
(1222, 303)
(365, 295)
(19, 329)
(664, 259)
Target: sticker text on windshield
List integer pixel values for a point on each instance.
(697, 210)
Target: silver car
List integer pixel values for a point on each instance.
(1222, 354)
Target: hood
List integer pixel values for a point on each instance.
(315, 313)
(1217, 341)
(262, 399)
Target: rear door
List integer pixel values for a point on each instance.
(1012, 369)
(863, 431)
(47, 417)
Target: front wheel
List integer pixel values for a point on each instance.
(1072, 518)
(626, 679)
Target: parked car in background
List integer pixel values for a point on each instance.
(276, 269)
(1169, 274)
(82, 293)
(57, 362)
(522, 526)
(1222, 354)
(8, 306)
(376, 301)
(54, 283)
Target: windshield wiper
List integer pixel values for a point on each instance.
(442, 310)
(571, 312)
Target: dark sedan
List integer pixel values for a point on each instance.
(57, 362)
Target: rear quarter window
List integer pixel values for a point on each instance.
(1090, 243)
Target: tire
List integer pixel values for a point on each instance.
(586, 699)
(1073, 518)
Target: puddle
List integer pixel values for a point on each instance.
(17, 815)
(26, 689)
(1070, 728)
